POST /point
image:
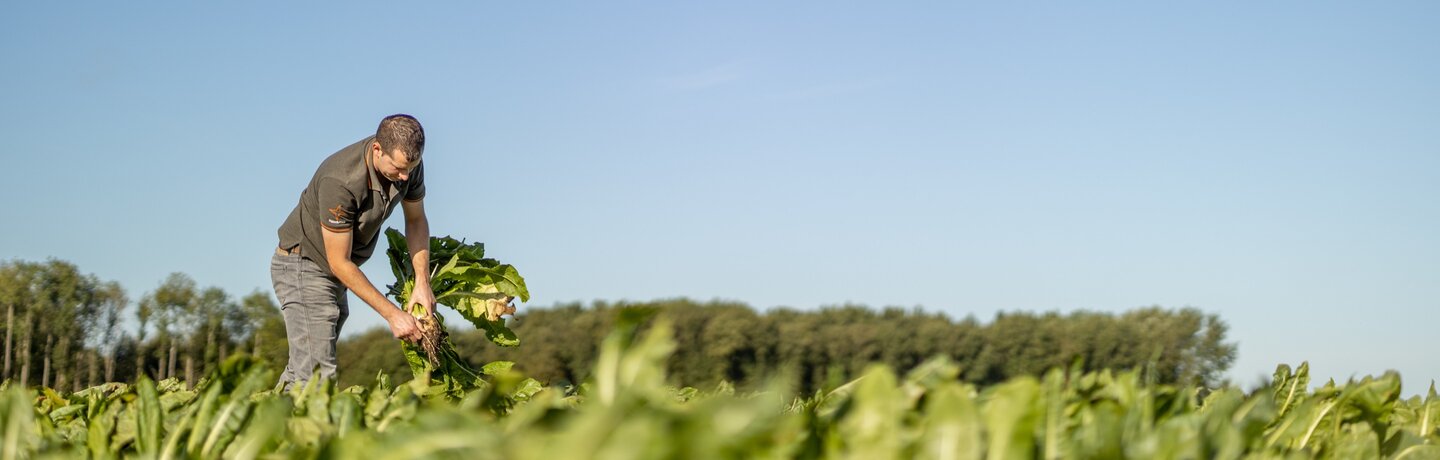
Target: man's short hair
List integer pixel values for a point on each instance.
(403, 132)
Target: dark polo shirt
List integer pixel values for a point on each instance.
(347, 195)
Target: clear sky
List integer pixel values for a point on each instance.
(1276, 163)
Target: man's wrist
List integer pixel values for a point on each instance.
(389, 313)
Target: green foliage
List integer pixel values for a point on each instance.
(629, 410)
(463, 279)
(723, 341)
(1024, 386)
(55, 319)
(67, 332)
(266, 327)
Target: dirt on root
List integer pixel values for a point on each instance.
(430, 336)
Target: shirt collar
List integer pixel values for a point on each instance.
(372, 180)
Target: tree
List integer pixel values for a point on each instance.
(69, 302)
(726, 341)
(112, 302)
(144, 313)
(265, 328)
(208, 337)
(54, 304)
(16, 289)
(168, 306)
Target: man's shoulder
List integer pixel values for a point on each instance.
(347, 166)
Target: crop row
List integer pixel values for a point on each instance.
(628, 411)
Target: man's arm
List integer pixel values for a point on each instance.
(417, 238)
(337, 251)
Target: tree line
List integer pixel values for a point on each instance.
(720, 341)
(66, 330)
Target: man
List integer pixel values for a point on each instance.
(334, 228)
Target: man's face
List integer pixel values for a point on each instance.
(394, 166)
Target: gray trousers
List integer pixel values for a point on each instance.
(314, 305)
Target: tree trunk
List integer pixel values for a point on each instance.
(139, 360)
(165, 359)
(110, 367)
(94, 369)
(45, 371)
(224, 353)
(25, 366)
(9, 333)
(189, 370)
(209, 343)
(170, 371)
(160, 358)
(25, 349)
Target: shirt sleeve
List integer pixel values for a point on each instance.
(337, 206)
(416, 186)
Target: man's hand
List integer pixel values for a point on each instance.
(337, 252)
(403, 326)
(423, 295)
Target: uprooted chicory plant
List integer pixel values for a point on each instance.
(479, 288)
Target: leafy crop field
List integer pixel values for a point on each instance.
(629, 412)
(628, 409)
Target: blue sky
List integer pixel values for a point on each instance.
(1274, 163)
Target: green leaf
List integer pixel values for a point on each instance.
(1290, 388)
(1010, 417)
(415, 357)
(399, 254)
(65, 413)
(527, 389)
(439, 275)
(230, 419)
(497, 367)
(100, 426)
(265, 428)
(345, 414)
(209, 408)
(472, 253)
(18, 422)
(954, 428)
(497, 333)
(181, 430)
(503, 278)
(148, 421)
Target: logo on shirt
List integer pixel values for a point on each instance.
(340, 214)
